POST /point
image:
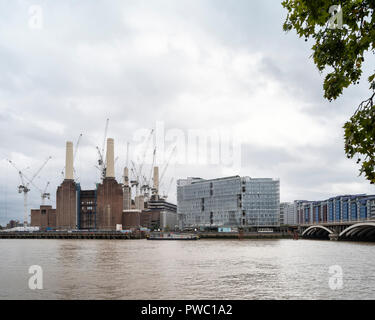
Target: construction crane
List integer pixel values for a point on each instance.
(101, 153)
(135, 182)
(145, 185)
(167, 165)
(152, 166)
(24, 186)
(145, 151)
(141, 186)
(45, 195)
(166, 193)
(148, 182)
(76, 148)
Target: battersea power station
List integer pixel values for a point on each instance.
(108, 207)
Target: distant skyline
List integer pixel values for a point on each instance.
(191, 65)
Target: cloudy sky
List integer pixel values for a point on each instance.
(186, 66)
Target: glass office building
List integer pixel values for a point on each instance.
(228, 202)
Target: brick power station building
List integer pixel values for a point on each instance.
(106, 207)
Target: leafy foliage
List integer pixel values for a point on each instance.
(340, 52)
(360, 137)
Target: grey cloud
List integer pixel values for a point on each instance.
(264, 157)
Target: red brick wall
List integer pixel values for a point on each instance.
(131, 219)
(52, 218)
(109, 204)
(35, 218)
(66, 203)
(45, 217)
(146, 218)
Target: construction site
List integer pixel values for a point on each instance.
(112, 206)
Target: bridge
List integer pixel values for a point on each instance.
(360, 230)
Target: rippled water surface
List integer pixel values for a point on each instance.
(204, 269)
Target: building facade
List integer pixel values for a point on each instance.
(159, 214)
(109, 204)
(86, 207)
(344, 208)
(288, 215)
(66, 205)
(228, 202)
(44, 217)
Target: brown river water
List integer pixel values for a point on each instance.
(204, 269)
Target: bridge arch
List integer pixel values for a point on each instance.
(316, 229)
(364, 230)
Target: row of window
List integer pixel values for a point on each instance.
(336, 214)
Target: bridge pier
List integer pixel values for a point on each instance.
(334, 236)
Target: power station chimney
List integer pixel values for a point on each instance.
(156, 180)
(126, 177)
(69, 161)
(127, 191)
(110, 171)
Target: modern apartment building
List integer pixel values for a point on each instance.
(231, 202)
(344, 208)
(288, 214)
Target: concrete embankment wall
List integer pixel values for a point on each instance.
(73, 235)
(236, 235)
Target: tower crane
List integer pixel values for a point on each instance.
(135, 182)
(167, 165)
(148, 182)
(138, 173)
(24, 186)
(76, 148)
(166, 193)
(145, 151)
(101, 152)
(45, 195)
(152, 166)
(145, 188)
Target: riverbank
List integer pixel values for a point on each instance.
(245, 235)
(73, 235)
(137, 235)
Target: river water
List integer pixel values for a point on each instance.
(204, 269)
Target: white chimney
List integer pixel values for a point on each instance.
(69, 161)
(126, 177)
(156, 180)
(110, 170)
